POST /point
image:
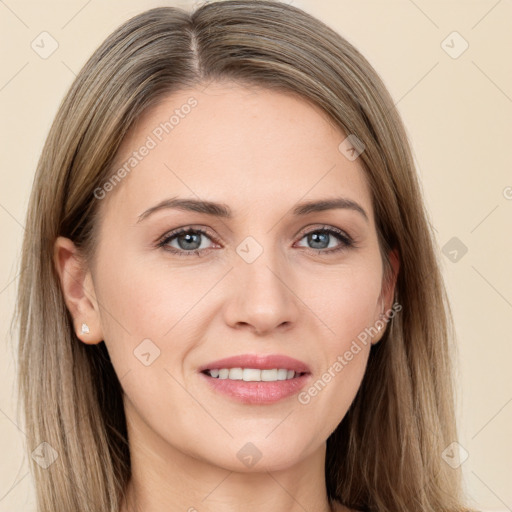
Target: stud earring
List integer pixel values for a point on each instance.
(85, 328)
(381, 318)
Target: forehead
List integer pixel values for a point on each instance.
(248, 147)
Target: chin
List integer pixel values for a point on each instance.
(254, 456)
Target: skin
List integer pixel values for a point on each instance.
(260, 152)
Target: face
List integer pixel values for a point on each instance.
(269, 279)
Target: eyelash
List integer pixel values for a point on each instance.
(347, 241)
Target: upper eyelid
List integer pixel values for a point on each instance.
(185, 229)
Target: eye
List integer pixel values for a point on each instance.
(188, 240)
(321, 239)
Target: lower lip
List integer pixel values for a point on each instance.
(257, 392)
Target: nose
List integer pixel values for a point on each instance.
(262, 297)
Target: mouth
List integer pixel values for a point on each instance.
(256, 379)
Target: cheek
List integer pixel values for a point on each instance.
(145, 299)
(346, 301)
(347, 307)
(144, 307)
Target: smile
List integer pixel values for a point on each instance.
(253, 374)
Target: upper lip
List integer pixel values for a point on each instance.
(259, 361)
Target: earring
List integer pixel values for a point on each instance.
(381, 317)
(85, 328)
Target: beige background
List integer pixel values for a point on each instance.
(457, 112)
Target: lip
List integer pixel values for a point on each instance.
(258, 361)
(254, 392)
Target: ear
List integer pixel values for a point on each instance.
(78, 290)
(387, 294)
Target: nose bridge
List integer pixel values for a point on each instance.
(262, 295)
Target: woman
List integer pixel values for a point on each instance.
(234, 301)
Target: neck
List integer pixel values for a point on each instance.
(165, 478)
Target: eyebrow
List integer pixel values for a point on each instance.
(222, 210)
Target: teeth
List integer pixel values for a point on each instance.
(252, 374)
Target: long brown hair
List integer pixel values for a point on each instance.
(386, 454)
